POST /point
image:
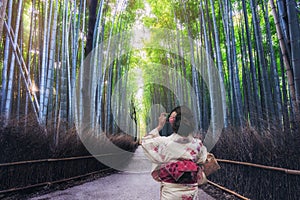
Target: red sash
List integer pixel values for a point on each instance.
(182, 171)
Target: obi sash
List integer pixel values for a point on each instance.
(182, 172)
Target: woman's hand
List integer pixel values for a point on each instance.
(161, 121)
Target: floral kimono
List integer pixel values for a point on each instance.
(175, 163)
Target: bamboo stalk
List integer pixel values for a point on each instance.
(219, 64)
(50, 76)
(44, 65)
(257, 112)
(285, 58)
(3, 5)
(9, 94)
(287, 171)
(227, 190)
(21, 63)
(6, 56)
(273, 70)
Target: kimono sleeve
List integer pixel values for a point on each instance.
(152, 145)
(202, 155)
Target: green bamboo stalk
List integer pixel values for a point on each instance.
(257, 108)
(5, 60)
(3, 4)
(273, 69)
(50, 74)
(294, 38)
(266, 90)
(219, 63)
(44, 64)
(9, 100)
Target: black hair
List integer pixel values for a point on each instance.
(184, 121)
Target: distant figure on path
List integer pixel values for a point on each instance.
(177, 158)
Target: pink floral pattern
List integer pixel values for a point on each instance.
(193, 153)
(175, 160)
(187, 197)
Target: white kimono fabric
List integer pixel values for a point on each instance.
(164, 150)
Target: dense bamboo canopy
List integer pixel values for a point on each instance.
(254, 46)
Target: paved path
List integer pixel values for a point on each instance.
(119, 186)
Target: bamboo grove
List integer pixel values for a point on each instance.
(255, 46)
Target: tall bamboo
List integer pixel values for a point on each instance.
(5, 60)
(284, 52)
(91, 26)
(282, 17)
(257, 112)
(30, 47)
(195, 76)
(285, 110)
(44, 65)
(50, 74)
(294, 38)
(3, 4)
(8, 102)
(64, 65)
(273, 70)
(80, 102)
(236, 83)
(219, 63)
(208, 71)
(248, 99)
(231, 91)
(19, 92)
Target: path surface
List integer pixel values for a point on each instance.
(119, 186)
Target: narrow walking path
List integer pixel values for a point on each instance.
(119, 186)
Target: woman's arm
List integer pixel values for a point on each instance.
(152, 142)
(155, 132)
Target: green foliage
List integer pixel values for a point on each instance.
(129, 15)
(149, 21)
(183, 17)
(163, 12)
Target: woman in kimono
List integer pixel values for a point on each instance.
(177, 158)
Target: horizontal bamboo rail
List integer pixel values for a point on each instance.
(55, 159)
(287, 171)
(53, 182)
(227, 190)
